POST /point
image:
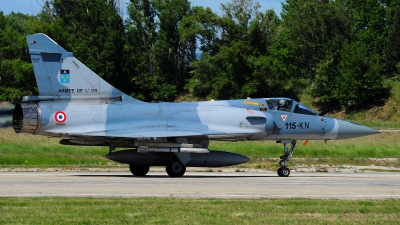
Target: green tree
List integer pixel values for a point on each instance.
(393, 46)
(202, 25)
(140, 59)
(370, 23)
(16, 71)
(19, 22)
(236, 64)
(319, 42)
(95, 32)
(361, 67)
(172, 53)
(360, 74)
(2, 21)
(312, 33)
(155, 50)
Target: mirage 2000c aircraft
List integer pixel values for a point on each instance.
(81, 108)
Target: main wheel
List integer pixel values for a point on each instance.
(175, 168)
(139, 171)
(283, 172)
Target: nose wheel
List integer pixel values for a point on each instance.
(283, 171)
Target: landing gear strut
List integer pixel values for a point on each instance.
(283, 171)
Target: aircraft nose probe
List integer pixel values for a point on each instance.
(345, 129)
(352, 130)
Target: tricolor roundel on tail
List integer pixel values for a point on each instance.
(60, 117)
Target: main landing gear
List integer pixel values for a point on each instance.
(139, 171)
(283, 171)
(174, 168)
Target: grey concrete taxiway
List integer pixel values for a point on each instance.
(203, 185)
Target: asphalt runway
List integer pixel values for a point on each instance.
(203, 185)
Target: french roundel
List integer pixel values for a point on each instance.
(60, 117)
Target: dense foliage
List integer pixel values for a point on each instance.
(336, 50)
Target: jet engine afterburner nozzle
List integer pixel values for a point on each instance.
(26, 118)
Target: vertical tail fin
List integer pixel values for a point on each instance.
(59, 74)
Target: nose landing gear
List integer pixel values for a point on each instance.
(283, 171)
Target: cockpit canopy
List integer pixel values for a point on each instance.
(288, 105)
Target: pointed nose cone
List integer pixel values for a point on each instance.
(353, 130)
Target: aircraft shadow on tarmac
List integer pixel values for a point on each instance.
(198, 176)
(166, 176)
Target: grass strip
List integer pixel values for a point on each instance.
(148, 210)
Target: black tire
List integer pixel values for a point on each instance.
(139, 171)
(283, 172)
(279, 171)
(175, 168)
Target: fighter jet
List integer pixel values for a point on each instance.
(80, 108)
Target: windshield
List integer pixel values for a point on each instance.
(281, 104)
(302, 109)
